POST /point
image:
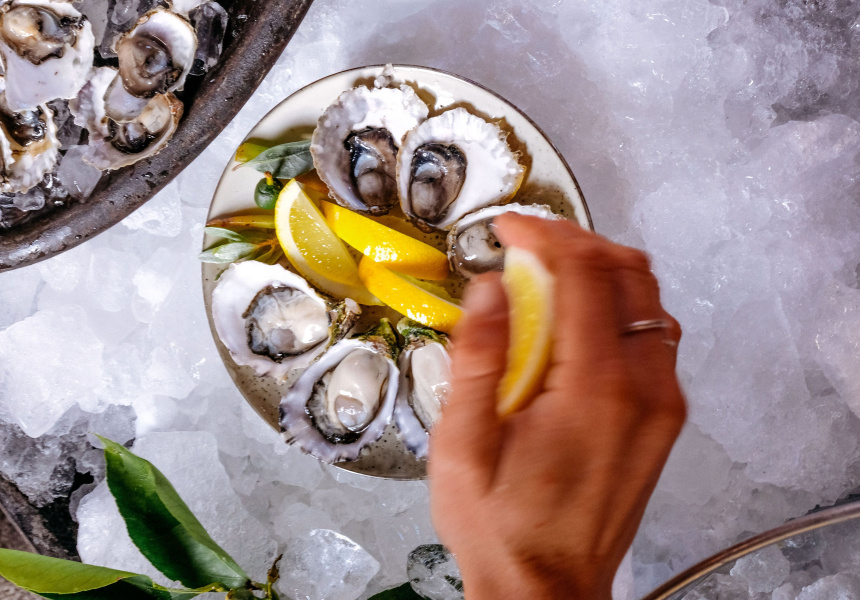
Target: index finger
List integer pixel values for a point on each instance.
(585, 312)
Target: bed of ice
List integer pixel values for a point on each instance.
(722, 137)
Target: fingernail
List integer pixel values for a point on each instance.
(484, 296)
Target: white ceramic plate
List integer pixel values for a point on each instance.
(548, 181)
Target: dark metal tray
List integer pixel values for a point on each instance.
(258, 32)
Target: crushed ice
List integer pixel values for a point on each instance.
(721, 137)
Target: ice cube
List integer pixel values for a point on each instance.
(325, 565)
(32, 199)
(40, 379)
(78, 177)
(210, 23)
(764, 570)
(160, 216)
(842, 586)
(434, 573)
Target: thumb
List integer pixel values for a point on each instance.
(469, 433)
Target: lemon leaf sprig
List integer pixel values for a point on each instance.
(262, 246)
(285, 161)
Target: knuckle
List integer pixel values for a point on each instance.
(675, 329)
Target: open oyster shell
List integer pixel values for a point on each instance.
(355, 144)
(425, 382)
(472, 244)
(453, 164)
(116, 144)
(47, 49)
(155, 56)
(344, 401)
(29, 147)
(271, 320)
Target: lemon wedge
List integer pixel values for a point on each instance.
(313, 248)
(418, 300)
(386, 246)
(529, 286)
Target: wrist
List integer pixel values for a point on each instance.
(499, 580)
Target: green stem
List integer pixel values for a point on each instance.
(257, 221)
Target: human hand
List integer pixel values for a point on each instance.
(544, 503)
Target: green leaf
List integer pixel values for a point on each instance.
(163, 527)
(227, 253)
(227, 234)
(208, 256)
(235, 250)
(68, 580)
(285, 161)
(403, 592)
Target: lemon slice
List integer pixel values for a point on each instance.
(386, 246)
(420, 301)
(529, 287)
(313, 248)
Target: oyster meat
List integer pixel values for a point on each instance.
(473, 247)
(425, 382)
(29, 147)
(47, 49)
(114, 144)
(355, 144)
(453, 164)
(345, 400)
(271, 320)
(155, 56)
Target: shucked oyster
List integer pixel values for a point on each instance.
(472, 244)
(270, 319)
(453, 164)
(344, 401)
(155, 57)
(355, 143)
(47, 48)
(425, 382)
(114, 144)
(28, 145)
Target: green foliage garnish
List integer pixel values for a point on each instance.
(285, 161)
(267, 190)
(68, 580)
(249, 151)
(163, 527)
(246, 245)
(403, 592)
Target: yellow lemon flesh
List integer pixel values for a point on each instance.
(386, 246)
(409, 297)
(529, 286)
(313, 248)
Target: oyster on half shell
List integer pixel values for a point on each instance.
(29, 147)
(114, 144)
(344, 401)
(355, 144)
(155, 56)
(473, 247)
(425, 383)
(47, 49)
(271, 320)
(453, 164)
